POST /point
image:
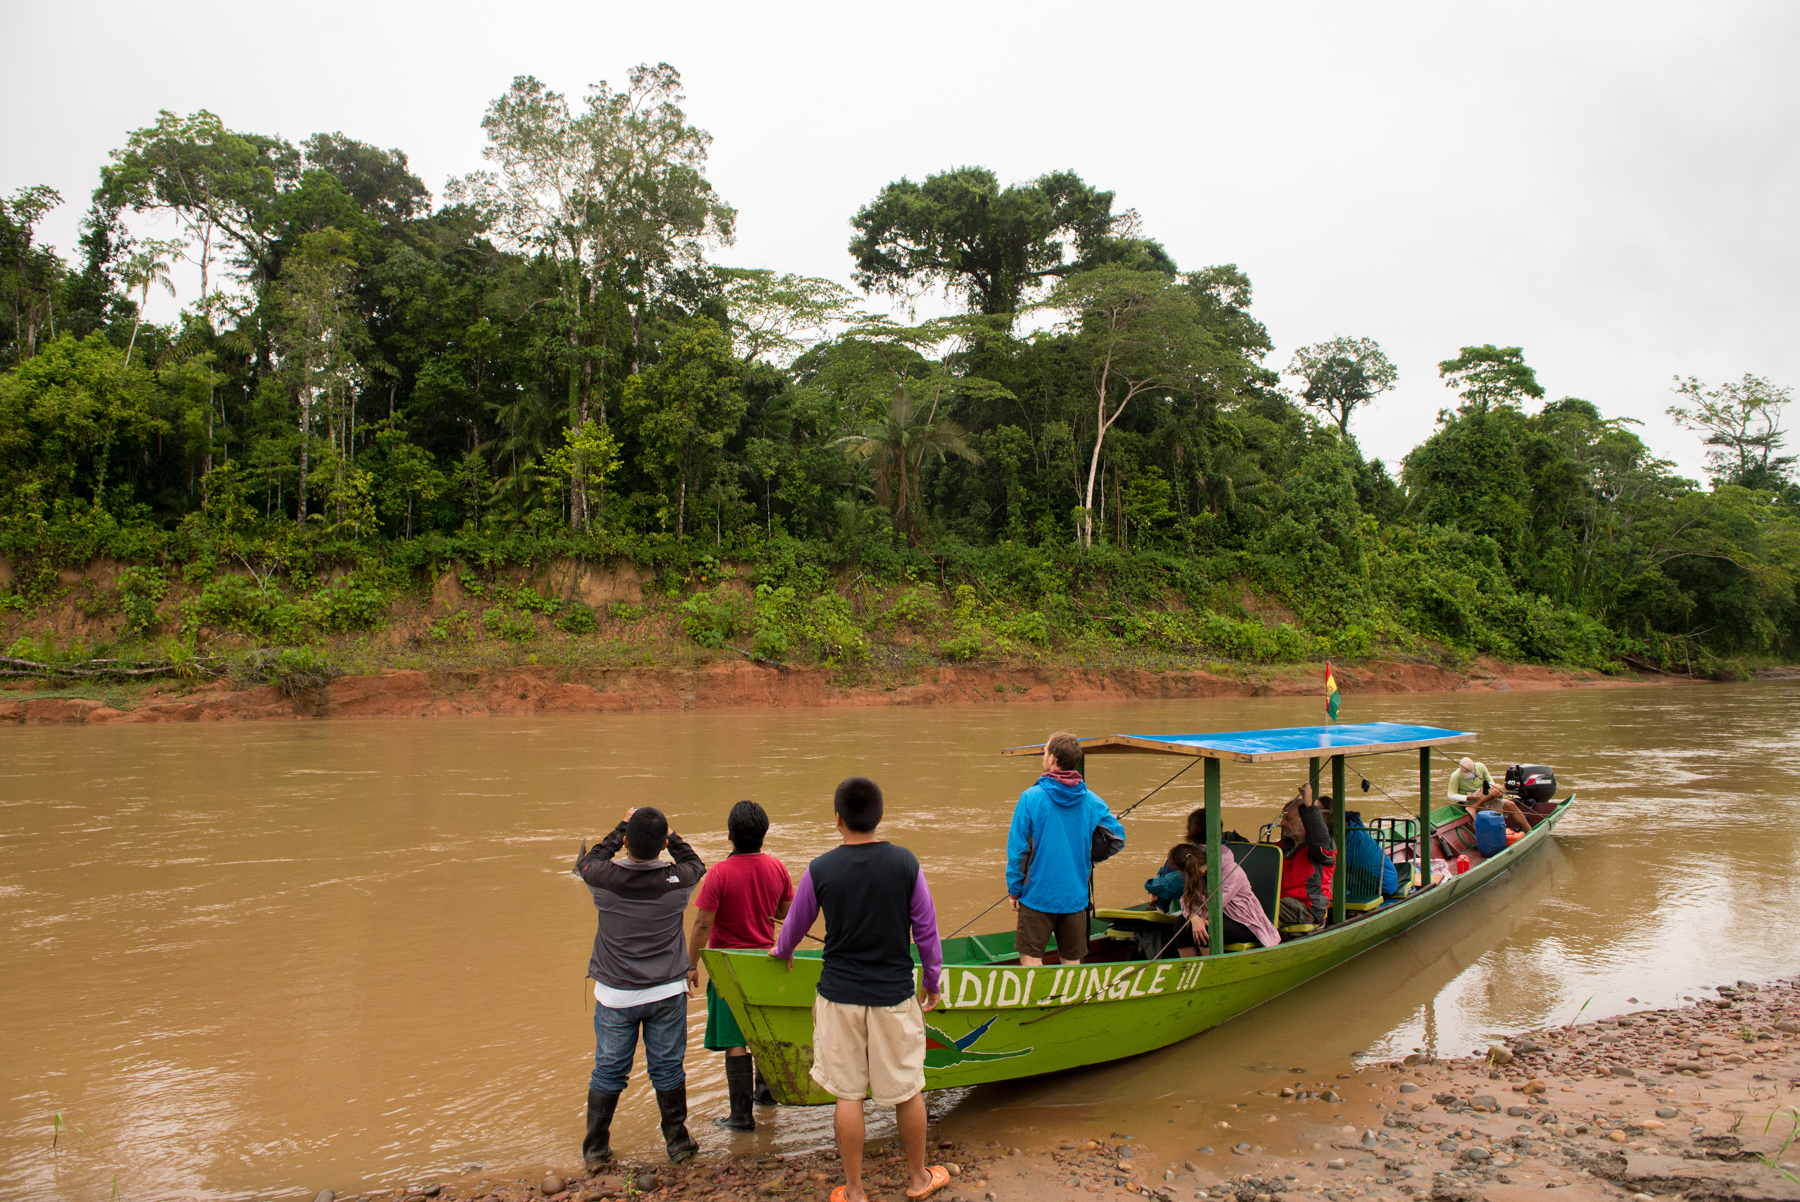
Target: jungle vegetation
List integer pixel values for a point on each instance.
(554, 359)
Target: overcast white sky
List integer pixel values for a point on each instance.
(1612, 187)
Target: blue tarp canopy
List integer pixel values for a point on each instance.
(1271, 746)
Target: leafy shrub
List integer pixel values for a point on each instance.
(786, 622)
(917, 605)
(962, 647)
(528, 599)
(450, 626)
(504, 623)
(620, 611)
(293, 670)
(141, 590)
(348, 605)
(712, 619)
(235, 603)
(577, 619)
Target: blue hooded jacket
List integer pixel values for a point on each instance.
(1049, 849)
(1365, 855)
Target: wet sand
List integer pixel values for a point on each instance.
(1641, 1105)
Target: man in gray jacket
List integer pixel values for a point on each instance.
(641, 975)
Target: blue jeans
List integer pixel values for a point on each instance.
(665, 1044)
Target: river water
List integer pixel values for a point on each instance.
(271, 958)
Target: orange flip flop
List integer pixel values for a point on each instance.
(837, 1195)
(940, 1177)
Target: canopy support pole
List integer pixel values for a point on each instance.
(1312, 776)
(1424, 817)
(1215, 870)
(1340, 878)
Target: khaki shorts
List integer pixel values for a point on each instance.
(1036, 927)
(869, 1051)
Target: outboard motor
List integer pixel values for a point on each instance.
(1531, 782)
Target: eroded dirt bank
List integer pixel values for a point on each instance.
(742, 685)
(1654, 1104)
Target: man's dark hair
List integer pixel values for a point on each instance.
(1065, 748)
(1327, 802)
(747, 824)
(858, 799)
(645, 832)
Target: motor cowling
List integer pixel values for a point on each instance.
(1531, 782)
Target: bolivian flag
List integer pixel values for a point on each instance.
(1331, 693)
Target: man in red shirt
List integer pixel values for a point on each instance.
(739, 902)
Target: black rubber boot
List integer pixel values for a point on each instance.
(740, 1086)
(596, 1149)
(673, 1105)
(764, 1095)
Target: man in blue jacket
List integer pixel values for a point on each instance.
(1049, 854)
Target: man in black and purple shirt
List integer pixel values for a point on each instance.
(868, 1025)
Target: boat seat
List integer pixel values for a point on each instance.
(1362, 890)
(1300, 928)
(1140, 914)
(1261, 863)
(1239, 947)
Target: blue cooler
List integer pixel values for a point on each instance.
(1490, 832)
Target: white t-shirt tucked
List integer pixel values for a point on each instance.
(620, 999)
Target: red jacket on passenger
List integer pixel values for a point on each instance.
(1307, 867)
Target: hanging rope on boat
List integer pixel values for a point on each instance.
(1118, 817)
(965, 926)
(1152, 793)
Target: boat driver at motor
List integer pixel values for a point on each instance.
(1470, 781)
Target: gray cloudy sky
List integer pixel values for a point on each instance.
(1611, 187)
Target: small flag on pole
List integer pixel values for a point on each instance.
(1331, 693)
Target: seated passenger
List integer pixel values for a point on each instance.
(1245, 921)
(1479, 792)
(1364, 855)
(1168, 882)
(1308, 859)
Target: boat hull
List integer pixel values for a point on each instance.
(999, 1022)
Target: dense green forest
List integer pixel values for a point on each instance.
(374, 386)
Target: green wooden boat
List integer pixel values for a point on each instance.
(999, 1020)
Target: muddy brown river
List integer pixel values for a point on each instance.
(266, 959)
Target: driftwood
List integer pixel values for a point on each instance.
(114, 669)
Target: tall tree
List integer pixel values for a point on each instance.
(1491, 376)
(318, 335)
(146, 268)
(615, 195)
(1134, 332)
(961, 230)
(896, 441)
(377, 180)
(28, 273)
(771, 315)
(220, 185)
(1341, 376)
(1742, 424)
(684, 409)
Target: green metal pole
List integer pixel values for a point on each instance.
(1340, 876)
(1313, 776)
(1215, 864)
(1424, 816)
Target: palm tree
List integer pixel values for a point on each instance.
(896, 442)
(145, 268)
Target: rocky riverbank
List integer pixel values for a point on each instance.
(1697, 1103)
(540, 689)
